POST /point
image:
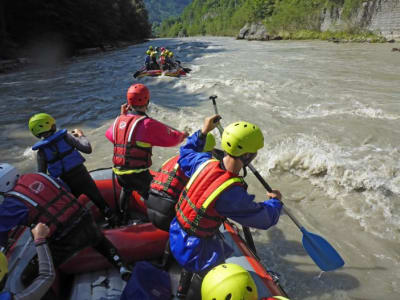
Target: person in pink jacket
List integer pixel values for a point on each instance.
(134, 134)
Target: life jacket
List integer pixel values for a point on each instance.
(165, 189)
(60, 156)
(127, 153)
(170, 178)
(48, 202)
(5, 296)
(195, 210)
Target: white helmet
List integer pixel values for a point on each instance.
(8, 177)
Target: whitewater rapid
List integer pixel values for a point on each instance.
(330, 115)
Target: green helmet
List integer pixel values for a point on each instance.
(3, 266)
(228, 281)
(210, 142)
(242, 137)
(148, 52)
(151, 48)
(41, 123)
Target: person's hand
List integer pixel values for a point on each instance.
(77, 132)
(185, 134)
(124, 108)
(274, 194)
(210, 123)
(41, 231)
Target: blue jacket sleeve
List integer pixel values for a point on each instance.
(191, 156)
(12, 213)
(236, 204)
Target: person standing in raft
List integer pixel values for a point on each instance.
(214, 192)
(134, 135)
(58, 153)
(38, 197)
(147, 60)
(47, 274)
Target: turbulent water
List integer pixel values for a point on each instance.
(330, 114)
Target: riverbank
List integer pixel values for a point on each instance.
(258, 32)
(12, 65)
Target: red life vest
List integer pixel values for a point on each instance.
(170, 178)
(127, 153)
(48, 202)
(195, 210)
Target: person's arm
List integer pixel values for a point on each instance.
(43, 282)
(236, 204)
(79, 141)
(12, 213)
(158, 134)
(41, 161)
(191, 155)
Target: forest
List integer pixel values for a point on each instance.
(28, 25)
(226, 17)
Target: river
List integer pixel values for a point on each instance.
(330, 115)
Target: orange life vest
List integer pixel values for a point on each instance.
(195, 210)
(127, 153)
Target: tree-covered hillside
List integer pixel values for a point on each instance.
(73, 23)
(226, 17)
(162, 9)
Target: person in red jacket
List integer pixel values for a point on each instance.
(134, 134)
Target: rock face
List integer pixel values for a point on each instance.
(379, 16)
(254, 31)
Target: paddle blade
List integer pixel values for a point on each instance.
(322, 253)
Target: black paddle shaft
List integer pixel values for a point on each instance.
(246, 231)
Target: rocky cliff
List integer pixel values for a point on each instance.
(379, 16)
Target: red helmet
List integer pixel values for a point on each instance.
(162, 49)
(138, 95)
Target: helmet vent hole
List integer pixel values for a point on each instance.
(224, 266)
(229, 144)
(240, 147)
(245, 125)
(228, 297)
(236, 124)
(249, 288)
(40, 125)
(254, 127)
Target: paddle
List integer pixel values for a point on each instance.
(246, 230)
(322, 253)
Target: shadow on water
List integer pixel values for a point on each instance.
(300, 284)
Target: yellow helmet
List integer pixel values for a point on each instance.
(3, 266)
(41, 123)
(170, 54)
(228, 281)
(148, 52)
(210, 142)
(242, 137)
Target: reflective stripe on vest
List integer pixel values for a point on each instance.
(51, 203)
(198, 216)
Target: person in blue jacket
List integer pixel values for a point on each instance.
(58, 153)
(214, 192)
(147, 60)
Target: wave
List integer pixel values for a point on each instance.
(367, 186)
